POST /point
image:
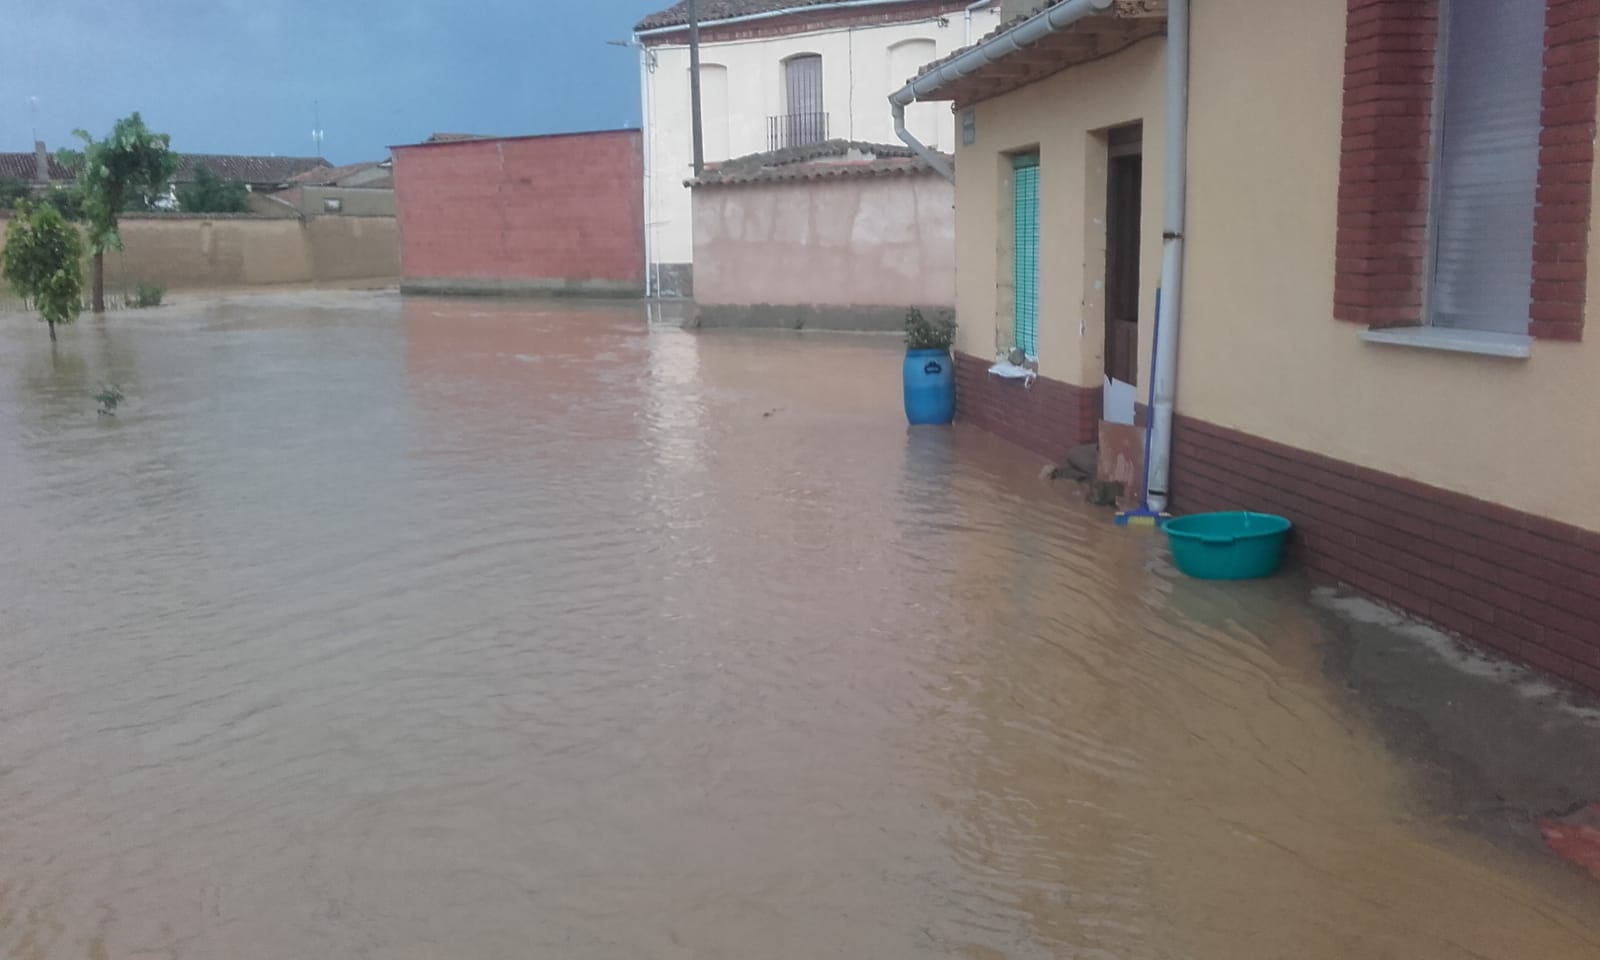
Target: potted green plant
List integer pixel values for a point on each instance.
(929, 373)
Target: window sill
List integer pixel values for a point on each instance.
(1511, 346)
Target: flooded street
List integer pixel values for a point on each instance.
(375, 628)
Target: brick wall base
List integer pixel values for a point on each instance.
(1524, 585)
(1047, 417)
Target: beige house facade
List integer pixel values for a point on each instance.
(1381, 330)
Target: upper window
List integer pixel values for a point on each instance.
(1486, 164)
(714, 110)
(804, 120)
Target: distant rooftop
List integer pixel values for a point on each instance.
(712, 10)
(241, 168)
(328, 176)
(19, 166)
(245, 169)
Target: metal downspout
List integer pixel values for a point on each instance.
(1175, 186)
(648, 159)
(930, 156)
(1041, 25)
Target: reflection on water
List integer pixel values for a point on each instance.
(476, 629)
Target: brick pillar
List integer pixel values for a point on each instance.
(1566, 168)
(1383, 167)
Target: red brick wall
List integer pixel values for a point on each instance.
(566, 208)
(1566, 167)
(1390, 47)
(1383, 167)
(1521, 584)
(1048, 417)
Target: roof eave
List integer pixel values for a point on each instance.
(1059, 36)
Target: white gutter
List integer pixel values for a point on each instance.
(769, 15)
(1030, 31)
(1174, 190)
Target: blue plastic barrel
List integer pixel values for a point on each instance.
(930, 386)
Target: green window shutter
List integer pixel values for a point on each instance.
(1025, 267)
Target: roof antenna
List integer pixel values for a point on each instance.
(316, 128)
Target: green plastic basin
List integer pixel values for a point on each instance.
(1239, 545)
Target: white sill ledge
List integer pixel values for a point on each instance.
(1513, 346)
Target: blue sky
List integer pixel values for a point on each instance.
(240, 76)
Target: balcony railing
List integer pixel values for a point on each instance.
(796, 130)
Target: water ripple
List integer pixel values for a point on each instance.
(424, 628)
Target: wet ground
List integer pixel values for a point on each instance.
(435, 629)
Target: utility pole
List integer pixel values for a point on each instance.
(316, 125)
(694, 90)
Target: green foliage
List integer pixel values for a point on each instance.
(68, 201)
(43, 261)
(13, 192)
(127, 166)
(146, 295)
(925, 334)
(209, 193)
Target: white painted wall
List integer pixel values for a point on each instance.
(743, 86)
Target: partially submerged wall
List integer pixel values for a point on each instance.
(552, 214)
(352, 247)
(240, 250)
(845, 252)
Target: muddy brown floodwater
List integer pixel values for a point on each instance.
(430, 629)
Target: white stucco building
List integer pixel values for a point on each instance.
(781, 73)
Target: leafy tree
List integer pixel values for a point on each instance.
(43, 261)
(210, 193)
(13, 192)
(131, 162)
(67, 200)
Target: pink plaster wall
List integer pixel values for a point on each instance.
(878, 241)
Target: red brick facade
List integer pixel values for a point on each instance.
(1046, 417)
(554, 212)
(1390, 50)
(1521, 584)
(1383, 170)
(1566, 167)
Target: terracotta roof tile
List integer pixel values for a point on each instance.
(19, 166)
(828, 160)
(325, 176)
(246, 169)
